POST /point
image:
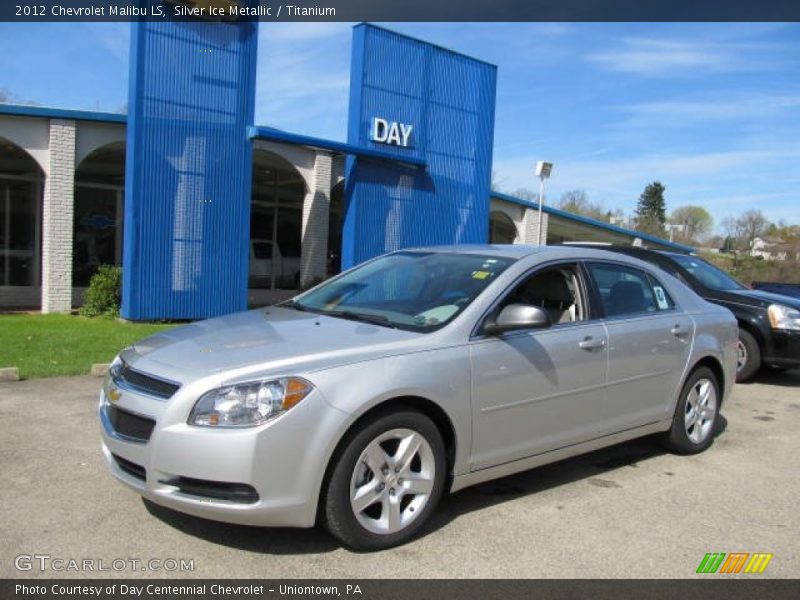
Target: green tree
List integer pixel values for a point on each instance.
(651, 210)
(696, 221)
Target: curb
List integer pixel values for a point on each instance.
(8, 374)
(99, 369)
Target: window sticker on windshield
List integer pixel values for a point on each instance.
(480, 274)
(661, 298)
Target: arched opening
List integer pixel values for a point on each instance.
(501, 228)
(335, 224)
(21, 184)
(276, 223)
(97, 220)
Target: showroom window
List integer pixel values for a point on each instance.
(501, 229)
(275, 223)
(335, 225)
(21, 182)
(97, 220)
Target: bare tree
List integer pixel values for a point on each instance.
(497, 181)
(526, 194)
(577, 202)
(752, 224)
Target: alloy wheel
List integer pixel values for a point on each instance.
(392, 481)
(741, 356)
(701, 409)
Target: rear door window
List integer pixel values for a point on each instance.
(627, 291)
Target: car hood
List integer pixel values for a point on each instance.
(274, 337)
(762, 298)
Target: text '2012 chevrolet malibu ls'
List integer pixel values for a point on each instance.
(359, 403)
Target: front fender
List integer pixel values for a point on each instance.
(441, 376)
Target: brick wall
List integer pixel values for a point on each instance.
(316, 209)
(57, 211)
(529, 230)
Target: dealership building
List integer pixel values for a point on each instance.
(209, 213)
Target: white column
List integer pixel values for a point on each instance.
(57, 211)
(530, 226)
(316, 211)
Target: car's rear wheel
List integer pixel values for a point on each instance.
(385, 482)
(695, 420)
(748, 356)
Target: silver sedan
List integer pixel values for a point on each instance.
(359, 403)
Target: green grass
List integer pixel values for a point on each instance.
(50, 345)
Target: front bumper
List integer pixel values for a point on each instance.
(785, 349)
(283, 460)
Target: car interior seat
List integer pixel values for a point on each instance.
(550, 291)
(625, 297)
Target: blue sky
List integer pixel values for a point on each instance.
(711, 110)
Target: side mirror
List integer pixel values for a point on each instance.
(518, 316)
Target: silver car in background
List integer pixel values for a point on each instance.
(360, 402)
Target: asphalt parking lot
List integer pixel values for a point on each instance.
(627, 511)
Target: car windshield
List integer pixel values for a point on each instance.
(418, 291)
(707, 274)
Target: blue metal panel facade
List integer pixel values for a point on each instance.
(188, 169)
(449, 100)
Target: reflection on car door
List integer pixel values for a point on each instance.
(537, 390)
(649, 340)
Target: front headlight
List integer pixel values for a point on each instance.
(783, 317)
(114, 373)
(248, 404)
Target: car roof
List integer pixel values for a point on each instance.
(517, 251)
(633, 250)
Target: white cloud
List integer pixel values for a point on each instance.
(660, 57)
(303, 77)
(737, 106)
(114, 37)
(690, 178)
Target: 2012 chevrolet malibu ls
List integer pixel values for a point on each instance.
(359, 403)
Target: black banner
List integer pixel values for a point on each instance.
(701, 588)
(405, 10)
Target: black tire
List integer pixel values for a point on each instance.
(678, 439)
(752, 357)
(339, 517)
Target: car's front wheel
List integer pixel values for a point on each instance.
(695, 420)
(385, 481)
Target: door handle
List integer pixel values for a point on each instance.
(590, 343)
(679, 331)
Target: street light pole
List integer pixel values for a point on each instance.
(542, 171)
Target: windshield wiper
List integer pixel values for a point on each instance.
(365, 317)
(295, 306)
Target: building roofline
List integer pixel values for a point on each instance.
(253, 132)
(277, 135)
(593, 222)
(21, 110)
